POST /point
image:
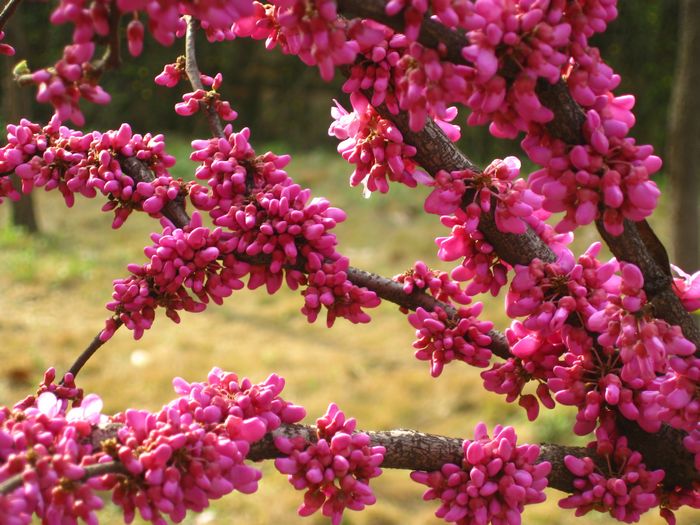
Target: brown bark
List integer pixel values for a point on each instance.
(684, 141)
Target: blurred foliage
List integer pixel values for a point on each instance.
(286, 102)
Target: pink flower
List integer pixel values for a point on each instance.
(496, 479)
(335, 470)
(687, 288)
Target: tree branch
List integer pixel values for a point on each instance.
(384, 287)
(93, 347)
(91, 471)
(7, 11)
(193, 75)
(436, 151)
(405, 450)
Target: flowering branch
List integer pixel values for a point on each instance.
(405, 450)
(193, 75)
(384, 287)
(636, 244)
(86, 354)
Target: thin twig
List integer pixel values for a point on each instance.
(193, 75)
(91, 471)
(93, 347)
(7, 12)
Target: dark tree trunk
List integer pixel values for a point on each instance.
(684, 140)
(16, 103)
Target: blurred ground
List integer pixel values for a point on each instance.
(54, 288)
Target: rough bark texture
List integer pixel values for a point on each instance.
(683, 154)
(411, 450)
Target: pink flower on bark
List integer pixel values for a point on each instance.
(496, 479)
(335, 469)
(627, 492)
(375, 146)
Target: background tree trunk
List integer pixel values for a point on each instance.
(16, 103)
(684, 140)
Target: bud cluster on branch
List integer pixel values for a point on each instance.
(614, 339)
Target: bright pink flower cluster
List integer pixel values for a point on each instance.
(182, 274)
(193, 450)
(255, 200)
(548, 294)
(48, 445)
(171, 74)
(68, 81)
(55, 157)
(440, 337)
(407, 76)
(644, 343)
(533, 36)
(334, 470)
(438, 284)
(535, 355)
(375, 146)
(480, 264)
(626, 492)
(514, 201)
(309, 29)
(516, 209)
(173, 460)
(193, 101)
(545, 40)
(496, 479)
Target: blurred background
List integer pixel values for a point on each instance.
(58, 264)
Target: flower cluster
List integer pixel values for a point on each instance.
(514, 201)
(159, 464)
(192, 451)
(626, 494)
(534, 357)
(71, 79)
(46, 443)
(444, 335)
(375, 146)
(407, 76)
(56, 157)
(335, 469)
(193, 101)
(516, 208)
(309, 29)
(182, 274)
(496, 479)
(549, 293)
(254, 199)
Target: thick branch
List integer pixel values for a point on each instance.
(405, 450)
(436, 152)
(412, 450)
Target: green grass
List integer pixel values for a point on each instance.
(55, 286)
